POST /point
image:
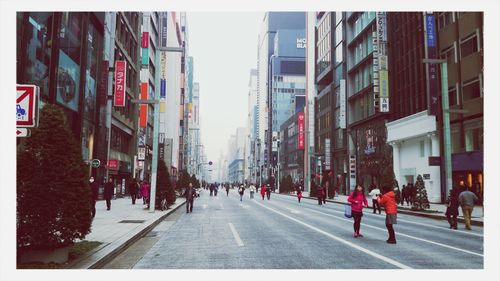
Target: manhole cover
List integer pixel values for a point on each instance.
(131, 221)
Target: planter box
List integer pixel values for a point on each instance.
(59, 255)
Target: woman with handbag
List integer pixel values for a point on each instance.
(357, 199)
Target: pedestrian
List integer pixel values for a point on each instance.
(452, 208)
(412, 193)
(324, 193)
(388, 200)
(357, 199)
(215, 190)
(467, 199)
(211, 187)
(252, 190)
(133, 189)
(299, 194)
(95, 193)
(268, 191)
(108, 192)
(189, 194)
(227, 189)
(374, 193)
(262, 191)
(320, 195)
(145, 192)
(241, 191)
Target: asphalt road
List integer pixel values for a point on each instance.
(224, 233)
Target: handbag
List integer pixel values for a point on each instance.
(347, 211)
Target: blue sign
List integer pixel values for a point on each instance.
(431, 30)
(163, 88)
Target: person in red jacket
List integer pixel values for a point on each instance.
(388, 200)
(357, 199)
(299, 194)
(263, 191)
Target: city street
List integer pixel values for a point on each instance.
(224, 233)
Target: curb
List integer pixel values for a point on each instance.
(431, 216)
(122, 247)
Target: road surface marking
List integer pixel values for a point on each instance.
(417, 223)
(205, 206)
(293, 211)
(366, 251)
(235, 234)
(405, 235)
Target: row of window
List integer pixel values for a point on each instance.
(469, 90)
(468, 46)
(363, 20)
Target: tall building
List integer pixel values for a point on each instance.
(412, 132)
(236, 157)
(272, 22)
(330, 129)
(461, 44)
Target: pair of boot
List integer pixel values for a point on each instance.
(357, 234)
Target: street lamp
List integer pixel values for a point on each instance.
(446, 118)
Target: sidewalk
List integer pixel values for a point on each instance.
(440, 209)
(119, 227)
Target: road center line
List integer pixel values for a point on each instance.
(236, 235)
(405, 235)
(366, 251)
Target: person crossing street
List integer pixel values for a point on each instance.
(241, 191)
(388, 200)
(262, 191)
(374, 194)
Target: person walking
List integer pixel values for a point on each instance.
(227, 189)
(299, 194)
(252, 190)
(452, 208)
(108, 192)
(95, 193)
(388, 200)
(268, 191)
(374, 193)
(189, 194)
(241, 191)
(133, 189)
(357, 199)
(467, 199)
(324, 193)
(320, 195)
(215, 190)
(262, 191)
(145, 192)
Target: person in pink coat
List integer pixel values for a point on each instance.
(145, 192)
(263, 191)
(358, 200)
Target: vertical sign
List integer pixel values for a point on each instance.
(300, 125)
(143, 118)
(382, 95)
(327, 154)
(163, 29)
(352, 170)
(163, 74)
(145, 40)
(103, 83)
(433, 68)
(145, 48)
(120, 79)
(384, 91)
(342, 101)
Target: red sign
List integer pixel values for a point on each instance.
(120, 78)
(145, 40)
(143, 114)
(113, 164)
(27, 106)
(300, 125)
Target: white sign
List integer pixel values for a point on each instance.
(301, 43)
(381, 27)
(163, 65)
(27, 106)
(327, 154)
(384, 104)
(342, 101)
(22, 132)
(141, 153)
(352, 171)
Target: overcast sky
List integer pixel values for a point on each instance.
(224, 48)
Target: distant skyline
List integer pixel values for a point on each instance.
(224, 49)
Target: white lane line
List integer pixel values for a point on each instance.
(293, 211)
(236, 235)
(366, 251)
(205, 206)
(405, 235)
(419, 223)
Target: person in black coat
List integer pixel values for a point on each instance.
(133, 189)
(452, 208)
(95, 193)
(268, 191)
(108, 192)
(189, 194)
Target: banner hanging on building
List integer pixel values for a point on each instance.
(120, 82)
(143, 117)
(300, 125)
(430, 34)
(327, 154)
(342, 101)
(163, 74)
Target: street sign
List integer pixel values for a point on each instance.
(23, 132)
(141, 153)
(113, 164)
(95, 163)
(27, 106)
(434, 161)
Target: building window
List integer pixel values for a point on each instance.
(452, 96)
(444, 19)
(471, 90)
(449, 54)
(473, 136)
(468, 46)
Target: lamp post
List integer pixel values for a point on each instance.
(446, 119)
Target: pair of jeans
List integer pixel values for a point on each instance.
(134, 197)
(189, 206)
(108, 203)
(390, 229)
(467, 212)
(376, 206)
(357, 221)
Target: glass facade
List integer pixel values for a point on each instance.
(323, 44)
